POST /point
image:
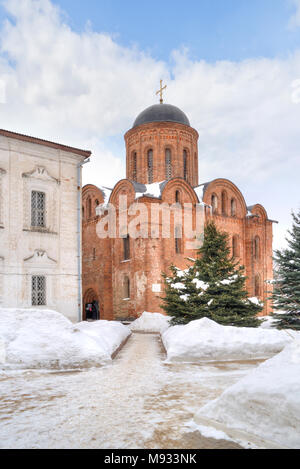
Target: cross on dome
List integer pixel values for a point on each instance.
(160, 91)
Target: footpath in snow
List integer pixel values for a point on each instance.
(137, 401)
(141, 399)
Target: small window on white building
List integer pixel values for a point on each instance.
(38, 290)
(38, 209)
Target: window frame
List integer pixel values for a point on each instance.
(126, 248)
(36, 290)
(150, 165)
(185, 164)
(126, 288)
(256, 248)
(134, 166)
(168, 164)
(36, 212)
(215, 205)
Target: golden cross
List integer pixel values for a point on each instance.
(160, 91)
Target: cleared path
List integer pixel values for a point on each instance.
(137, 402)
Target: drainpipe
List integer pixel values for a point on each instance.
(79, 256)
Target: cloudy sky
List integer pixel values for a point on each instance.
(79, 73)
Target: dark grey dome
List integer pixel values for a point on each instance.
(162, 113)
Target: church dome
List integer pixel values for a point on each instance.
(161, 113)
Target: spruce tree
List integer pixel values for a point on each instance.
(214, 287)
(286, 295)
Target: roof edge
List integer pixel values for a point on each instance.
(58, 146)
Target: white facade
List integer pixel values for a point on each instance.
(47, 250)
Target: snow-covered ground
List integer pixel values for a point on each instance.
(204, 340)
(151, 322)
(136, 401)
(46, 339)
(142, 400)
(265, 403)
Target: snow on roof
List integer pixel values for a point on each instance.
(200, 192)
(149, 190)
(106, 191)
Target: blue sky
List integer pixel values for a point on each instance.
(211, 29)
(79, 72)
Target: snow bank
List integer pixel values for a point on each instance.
(108, 335)
(268, 322)
(266, 403)
(151, 322)
(47, 339)
(205, 340)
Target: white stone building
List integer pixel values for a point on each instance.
(40, 224)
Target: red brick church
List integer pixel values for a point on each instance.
(122, 275)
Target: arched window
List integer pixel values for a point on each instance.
(126, 248)
(256, 248)
(83, 213)
(134, 166)
(150, 166)
(126, 287)
(168, 159)
(233, 207)
(257, 288)
(224, 203)
(178, 239)
(185, 165)
(235, 246)
(177, 197)
(89, 208)
(214, 203)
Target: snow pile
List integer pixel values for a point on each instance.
(109, 335)
(206, 340)
(266, 403)
(151, 322)
(46, 339)
(268, 322)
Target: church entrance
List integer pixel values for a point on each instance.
(91, 307)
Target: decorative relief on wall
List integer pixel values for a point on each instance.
(40, 257)
(41, 173)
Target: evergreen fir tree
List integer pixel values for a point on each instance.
(214, 287)
(286, 295)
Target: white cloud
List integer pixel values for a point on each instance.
(295, 19)
(86, 90)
